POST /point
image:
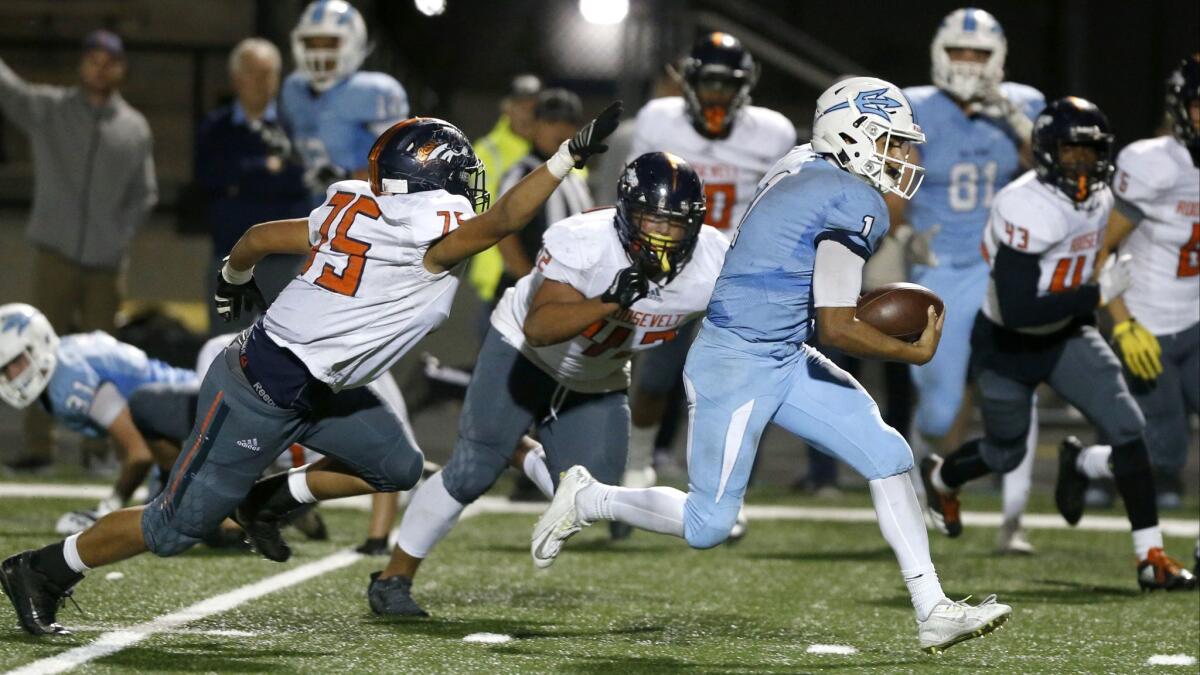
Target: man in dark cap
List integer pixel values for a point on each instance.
(94, 184)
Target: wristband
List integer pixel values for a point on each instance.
(236, 277)
(562, 162)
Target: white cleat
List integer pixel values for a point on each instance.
(560, 520)
(740, 526)
(952, 622)
(1011, 539)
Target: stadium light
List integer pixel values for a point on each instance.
(604, 11)
(431, 7)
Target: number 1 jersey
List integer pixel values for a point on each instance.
(364, 297)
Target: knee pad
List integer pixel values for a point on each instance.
(472, 470)
(400, 470)
(1002, 456)
(1130, 459)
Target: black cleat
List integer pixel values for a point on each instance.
(374, 546)
(943, 507)
(36, 598)
(618, 530)
(310, 523)
(264, 535)
(1160, 572)
(393, 597)
(1072, 485)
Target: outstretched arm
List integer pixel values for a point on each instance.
(276, 236)
(516, 207)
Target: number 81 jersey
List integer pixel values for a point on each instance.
(584, 252)
(1032, 217)
(364, 297)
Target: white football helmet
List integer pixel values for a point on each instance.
(969, 28)
(326, 66)
(26, 331)
(852, 116)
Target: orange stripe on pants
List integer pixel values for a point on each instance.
(195, 446)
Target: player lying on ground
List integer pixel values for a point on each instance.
(1036, 327)
(85, 382)
(817, 217)
(608, 282)
(379, 277)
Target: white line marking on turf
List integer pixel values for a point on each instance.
(213, 632)
(488, 638)
(114, 641)
(843, 650)
(1172, 527)
(1171, 660)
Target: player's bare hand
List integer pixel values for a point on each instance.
(927, 344)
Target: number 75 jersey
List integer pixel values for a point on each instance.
(364, 297)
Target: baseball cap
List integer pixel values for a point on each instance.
(525, 85)
(104, 40)
(558, 105)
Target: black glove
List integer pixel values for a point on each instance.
(589, 140)
(629, 286)
(231, 298)
(321, 176)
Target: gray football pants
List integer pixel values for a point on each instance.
(1167, 401)
(1087, 374)
(237, 436)
(508, 396)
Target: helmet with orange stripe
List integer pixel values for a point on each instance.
(1073, 147)
(426, 153)
(660, 208)
(716, 77)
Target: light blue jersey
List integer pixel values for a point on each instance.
(967, 159)
(88, 360)
(764, 293)
(340, 125)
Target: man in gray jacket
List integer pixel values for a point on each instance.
(93, 186)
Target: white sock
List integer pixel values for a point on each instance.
(1016, 483)
(1146, 539)
(71, 553)
(1093, 461)
(536, 470)
(429, 517)
(935, 477)
(656, 509)
(903, 527)
(298, 485)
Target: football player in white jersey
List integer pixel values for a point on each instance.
(730, 144)
(608, 283)
(1042, 238)
(379, 277)
(1157, 322)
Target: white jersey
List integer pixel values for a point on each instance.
(1033, 217)
(730, 167)
(365, 297)
(585, 252)
(1157, 177)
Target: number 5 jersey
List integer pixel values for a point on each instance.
(585, 253)
(364, 297)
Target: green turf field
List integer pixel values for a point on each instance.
(648, 604)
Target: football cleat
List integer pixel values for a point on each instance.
(953, 622)
(36, 598)
(1072, 485)
(561, 519)
(740, 527)
(374, 546)
(1011, 539)
(74, 522)
(309, 522)
(1160, 571)
(264, 535)
(393, 597)
(943, 508)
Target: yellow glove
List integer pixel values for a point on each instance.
(1139, 349)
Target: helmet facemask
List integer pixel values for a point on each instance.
(1183, 105)
(967, 79)
(658, 240)
(471, 182)
(714, 94)
(1083, 165)
(329, 43)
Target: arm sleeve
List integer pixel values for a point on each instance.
(1016, 281)
(106, 405)
(837, 275)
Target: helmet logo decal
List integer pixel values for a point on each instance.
(872, 102)
(17, 321)
(438, 150)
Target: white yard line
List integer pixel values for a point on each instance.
(1173, 527)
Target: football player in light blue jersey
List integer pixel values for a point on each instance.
(333, 111)
(794, 272)
(978, 128)
(84, 381)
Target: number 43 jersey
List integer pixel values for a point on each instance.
(364, 297)
(730, 167)
(1156, 176)
(584, 252)
(1033, 217)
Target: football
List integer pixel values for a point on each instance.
(898, 309)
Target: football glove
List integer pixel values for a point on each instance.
(627, 287)
(588, 141)
(1139, 349)
(321, 176)
(235, 291)
(1115, 278)
(997, 106)
(918, 245)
